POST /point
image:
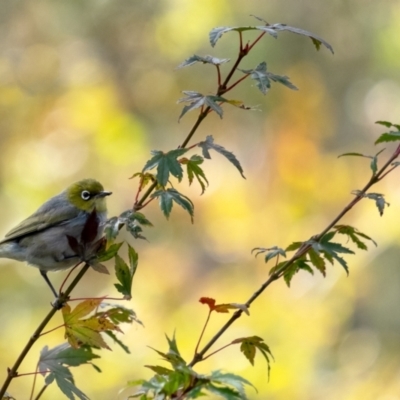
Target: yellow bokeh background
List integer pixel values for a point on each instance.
(88, 88)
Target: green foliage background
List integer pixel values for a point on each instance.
(88, 88)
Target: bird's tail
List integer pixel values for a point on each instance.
(12, 250)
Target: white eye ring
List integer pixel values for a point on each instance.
(85, 195)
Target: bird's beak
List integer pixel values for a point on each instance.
(103, 194)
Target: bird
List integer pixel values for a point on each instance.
(43, 240)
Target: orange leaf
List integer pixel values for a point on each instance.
(223, 308)
(209, 301)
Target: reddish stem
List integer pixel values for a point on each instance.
(236, 83)
(68, 275)
(96, 298)
(32, 373)
(216, 351)
(255, 42)
(51, 330)
(33, 384)
(240, 41)
(219, 75)
(202, 332)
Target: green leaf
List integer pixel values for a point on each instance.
(133, 260)
(133, 222)
(388, 124)
(374, 163)
(109, 253)
(119, 342)
(294, 246)
(317, 261)
(166, 163)
(384, 123)
(136, 216)
(273, 30)
(197, 100)
(330, 250)
(124, 275)
(279, 267)
(290, 271)
(211, 101)
(209, 144)
(235, 381)
(194, 171)
(168, 196)
(172, 345)
(374, 159)
(173, 358)
(263, 78)
(111, 229)
(379, 199)
(82, 331)
(249, 345)
(333, 247)
(118, 314)
(135, 230)
(302, 264)
(216, 33)
(140, 218)
(65, 382)
(380, 204)
(317, 41)
(392, 136)
(64, 354)
(353, 154)
(225, 392)
(249, 350)
(271, 252)
(159, 369)
(353, 234)
(55, 362)
(205, 60)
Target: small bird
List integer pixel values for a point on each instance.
(42, 239)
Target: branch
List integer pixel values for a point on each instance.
(222, 89)
(13, 372)
(303, 250)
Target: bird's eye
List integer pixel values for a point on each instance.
(85, 195)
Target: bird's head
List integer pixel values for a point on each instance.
(88, 194)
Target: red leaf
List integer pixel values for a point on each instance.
(209, 301)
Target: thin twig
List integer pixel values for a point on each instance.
(68, 275)
(202, 332)
(41, 392)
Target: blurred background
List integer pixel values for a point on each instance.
(88, 88)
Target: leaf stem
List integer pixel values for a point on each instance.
(255, 41)
(237, 82)
(41, 392)
(217, 351)
(33, 384)
(219, 75)
(51, 330)
(202, 332)
(68, 275)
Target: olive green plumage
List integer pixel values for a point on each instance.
(41, 239)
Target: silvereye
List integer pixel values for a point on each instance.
(41, 239)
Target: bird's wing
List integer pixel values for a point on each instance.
(49, 214)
